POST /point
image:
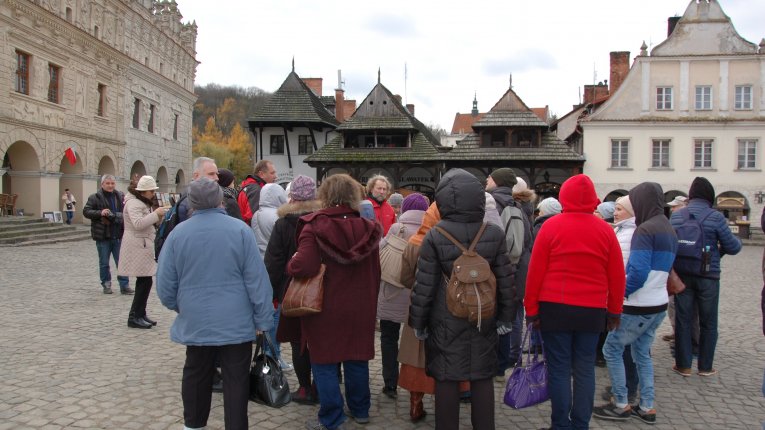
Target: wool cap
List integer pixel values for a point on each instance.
(225, 177)
(606, 209)
(395, 199)
(146, 183)
(204, 193)
(550, 206)
(701, 188)
(625, 203)
(302, 188)
(520, 185)
(414, 201)
(504, 177)
(679, 200)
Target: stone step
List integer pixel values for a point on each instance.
(26, 230)
(78, 238)
(48, 238)
(33, 229)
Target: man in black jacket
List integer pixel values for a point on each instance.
(104, 210)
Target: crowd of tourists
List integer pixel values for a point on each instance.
(586, 278)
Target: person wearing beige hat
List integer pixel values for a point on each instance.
(678, 203)
(137, 252)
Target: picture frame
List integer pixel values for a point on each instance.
(48, 216)
(58, 217)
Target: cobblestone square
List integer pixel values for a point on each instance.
(69, 360)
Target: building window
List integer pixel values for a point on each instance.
(660, 153)
(747, 153)
(305, 145)
(95, 31)
(277, 145)
(22, 72)
(620, 152)
(54, 83)
(664, 98)
(702, 153)
(152, 112)
(743, 97)
(703, 98)
(175, 128)
(69, 14)
(101, 100)
(136, 112)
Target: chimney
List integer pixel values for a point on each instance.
(410, 108)
(398, 98)
(340, 104)
(595, 92)
(314, 84)
(671, 24)
(349, 108)
(620, 66)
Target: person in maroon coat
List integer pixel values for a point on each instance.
(344, 331)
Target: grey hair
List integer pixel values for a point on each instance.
(108, 177)
(200, 161)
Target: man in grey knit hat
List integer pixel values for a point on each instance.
(210, 265)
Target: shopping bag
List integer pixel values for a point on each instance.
(527, 385)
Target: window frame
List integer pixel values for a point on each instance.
(706, 155)
(709, 103)
(175, 127)
(152, 115)
(746, 140)
(305, 144)
(136, 113)
(276, 139)
(101, 107)
(22, 72)
(740, 102)
(622, 160)
(664, 96)
(54, 83)
(664, 154)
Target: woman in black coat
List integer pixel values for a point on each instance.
(456, 349)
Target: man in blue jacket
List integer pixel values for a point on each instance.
(210, 272)
(701, 289)
(652, 251)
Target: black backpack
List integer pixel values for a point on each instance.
(692, 257)
(171, 219)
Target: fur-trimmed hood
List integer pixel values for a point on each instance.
(298, 208)
(525, 196)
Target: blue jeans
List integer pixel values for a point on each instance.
(704, 293)
(509, 345)
(105, 248)
(638, 331)
(69, 216)
(272, 335)
(570, 353)
(356, 377)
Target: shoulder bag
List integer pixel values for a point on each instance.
(268, 384)
(304, 296)
(527, 385)
(390, 258)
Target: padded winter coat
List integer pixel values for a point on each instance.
(137, 249)
(103, 228)
(271, 197)
(456, 349)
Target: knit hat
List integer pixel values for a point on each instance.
(504, 177)
(395, 199)
(606, 210)
(302, 188)
(679, 200)
(550, 206)
(146, 183)
(204, 193)
(520, 186)
(701, 188)
(225, 177)
(626, 204)
(414, 201)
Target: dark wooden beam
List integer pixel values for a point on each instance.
(287, 144)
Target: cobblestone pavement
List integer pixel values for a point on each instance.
(67, 359)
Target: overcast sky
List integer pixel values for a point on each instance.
(451, 49)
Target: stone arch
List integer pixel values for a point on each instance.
(21, 135)
(615, 194)
(137, 169)
(478, 173)
(21, 156)
(106, 166)
(162, 180)
(180, 181)
(733, 205)
(105, 152)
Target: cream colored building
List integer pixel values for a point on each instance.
(112, 79)
(693, 107)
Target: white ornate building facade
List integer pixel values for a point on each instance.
(111, 79)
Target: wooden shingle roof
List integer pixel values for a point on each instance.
(509, 111)
(551, 149)
(293, 102)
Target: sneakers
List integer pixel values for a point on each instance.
(682, 371)
(709, 372)
(612, 412)
(127, 291)
(608, 396)
(647, 416)
(286, 367)
(107, 286)
(359, 420)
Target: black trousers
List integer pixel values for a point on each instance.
(481, 404)
(389, 333)
(142, 290)
(302, 363)
(196, 388)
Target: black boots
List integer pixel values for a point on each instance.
(137, 322)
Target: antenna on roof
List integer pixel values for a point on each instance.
(378, 74)
(594, 74)
(511, 81)
(293, 63)
(340, 81)
(406, 99)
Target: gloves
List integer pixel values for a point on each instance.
(534, 321)
(613, 322)
(421, 334)
(504, 328)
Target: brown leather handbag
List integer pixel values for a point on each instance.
(304, 296)
(675, 285)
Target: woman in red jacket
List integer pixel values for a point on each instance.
(575, 284)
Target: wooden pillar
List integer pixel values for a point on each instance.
(287, 144)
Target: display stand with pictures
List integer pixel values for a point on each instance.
(48, 216)
(58, 217)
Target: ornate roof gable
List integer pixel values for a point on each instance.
(704, 29)
(509, 111)
(293, 102)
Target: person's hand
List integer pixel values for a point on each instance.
(105, 212)
(161, 211)
(613, 322)
(534, 321)
(504, 328)
(258, 332)
(421, 334)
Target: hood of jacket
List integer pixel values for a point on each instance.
(647, 201)
(503, 196)
(431, 218)
(272, 196)
(298, 208)
(577, 194)
(338, 226)
(525, 196)
(460, 197)
(250, 179)
(701, 188)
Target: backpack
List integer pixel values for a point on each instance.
(391, 256)
(512, 217)
(690, 244)
(169, 221)
(471, 291)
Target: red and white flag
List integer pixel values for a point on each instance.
(71, 156)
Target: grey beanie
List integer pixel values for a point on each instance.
(204, 193)
(395, 199)
(550, 206)
(606, 209)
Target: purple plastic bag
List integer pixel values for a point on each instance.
(527, 385)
